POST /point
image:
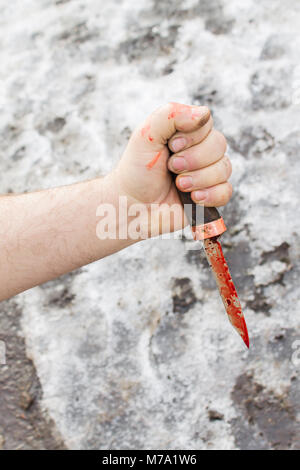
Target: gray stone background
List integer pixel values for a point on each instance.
(135, 351)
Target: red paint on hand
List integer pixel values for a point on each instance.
(216, 259)
(193, 111)
(153, 161)
(177, 109)
(145, 130)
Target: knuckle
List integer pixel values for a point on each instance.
(221, 140)
(227, 165)
(224, 195)
(227, 192)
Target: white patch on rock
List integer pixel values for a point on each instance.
(269, 272)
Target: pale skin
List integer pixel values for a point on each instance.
(48, 233)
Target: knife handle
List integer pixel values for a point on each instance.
(206, 222)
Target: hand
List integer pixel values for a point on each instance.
(198, 159)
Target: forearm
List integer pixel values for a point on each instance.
(48, 233)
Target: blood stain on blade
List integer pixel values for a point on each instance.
(216, 259)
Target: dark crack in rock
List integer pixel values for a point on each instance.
(23, 424)
(290, 146)
(169, 10)
(124, 338)
(77, 35)
(168, 341)
(56, 125)
(183, 296)
(207, 95)
(197, 257)
(85, 85)
(233, 213)
(61, 297)
(275, 47)
(211, 10)
(215, 20)
(147, 43)
(270, 89)
(214, 415)
(19, 154)
(58, 292)
(260, 303)
(280, 346)
(66, 279)
(252, 141)
(280, 253)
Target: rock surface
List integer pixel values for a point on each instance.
(135, 351)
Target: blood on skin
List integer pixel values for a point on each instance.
(178, 108)
(228, 292)
(145, 130)
(153, 161)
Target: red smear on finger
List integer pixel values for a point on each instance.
(153, 161)
(216, 259)
(177, 109)
(145, 130)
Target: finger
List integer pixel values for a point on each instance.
(167, 120)
(181, 141)
(216, 173)
(204, 154)
(215, 196)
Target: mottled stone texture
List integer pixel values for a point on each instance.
(135, 351)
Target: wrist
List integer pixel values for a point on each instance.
(122, 216)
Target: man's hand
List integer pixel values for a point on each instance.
(198, 158)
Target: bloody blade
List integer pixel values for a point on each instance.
(217, 262)
(207, 225)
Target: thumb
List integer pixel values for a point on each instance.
(163, 123)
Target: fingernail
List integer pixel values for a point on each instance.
(197, 112)
(179, 163)
(202, 114)
(186, 182)
(178, 144)
(200, 195)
